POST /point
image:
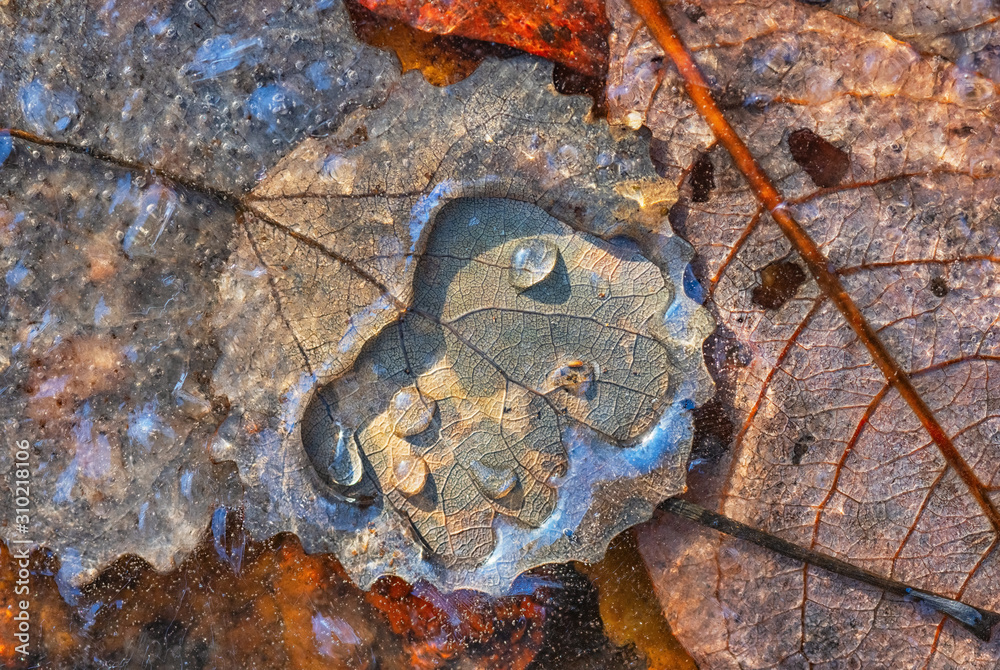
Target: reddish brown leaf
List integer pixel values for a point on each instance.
(831, 452)
(573, 32)
(442, 59)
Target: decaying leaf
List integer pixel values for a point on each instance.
(573, 33)
(886, 154)
(964, 33)
(490, 467)
(827, 454)
(317, 263)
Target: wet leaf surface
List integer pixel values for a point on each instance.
(288, 159)
(520, 334)
(826, 453)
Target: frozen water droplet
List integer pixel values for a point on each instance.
(345, 467)
(410, 474)
(576, 377)
(494, 483)
(47, 110)
(411, 411)
(531, 262)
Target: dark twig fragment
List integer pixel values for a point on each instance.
(979, 621)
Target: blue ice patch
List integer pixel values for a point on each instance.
(692, 288)
(6, 145)
(274, 105)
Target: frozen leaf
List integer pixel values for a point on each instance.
(108, 356)
(205, 317)
(160, 323)
(827, 453)
(117, 219)
(208, 92)
(479, 465)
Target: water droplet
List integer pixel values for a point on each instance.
(345, 466)
(531, 262)
(494, 483)
(410, 474)
(576, 377)
(411, 411)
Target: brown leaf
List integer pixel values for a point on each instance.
(159, 323)
(828, 454)
(964, 34)
(197, 320)
(442, 59)
(573, 32)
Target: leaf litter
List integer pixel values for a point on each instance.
(683, 145)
